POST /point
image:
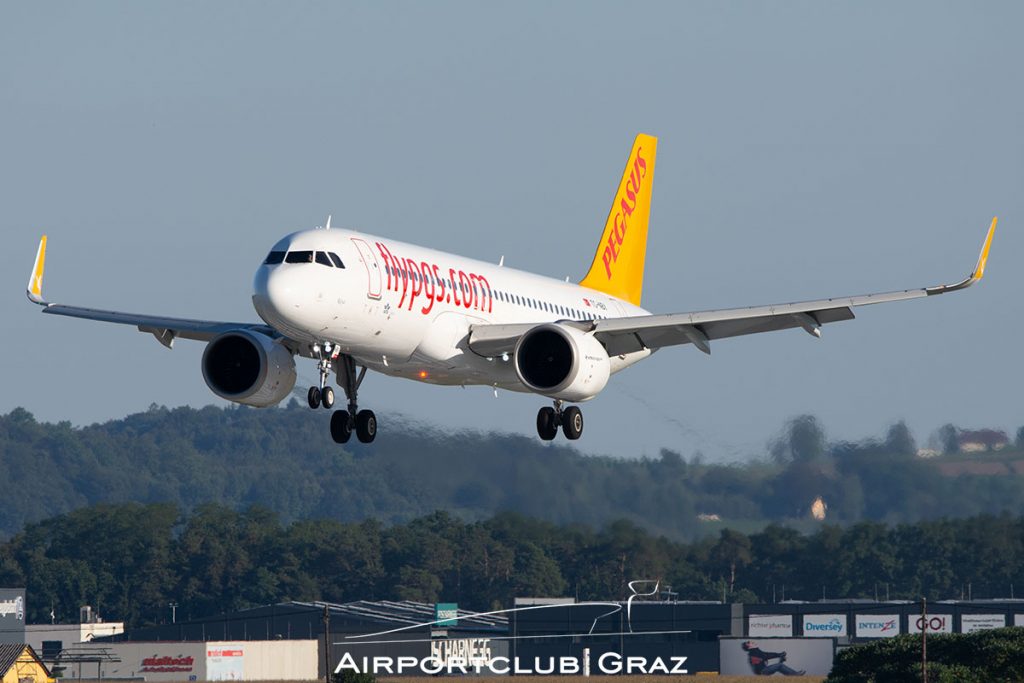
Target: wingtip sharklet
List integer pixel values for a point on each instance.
(34, 290)
(979, 268)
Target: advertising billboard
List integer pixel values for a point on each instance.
(770, 656)
(446, 614)
(937, 623)
(1018, 619)
(825, 625)
(969, 623)
(767, 625)
(877, 625)
(12, 615)
(225, 661)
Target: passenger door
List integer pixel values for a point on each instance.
(369, 260)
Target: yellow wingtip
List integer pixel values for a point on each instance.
(35, 283)
(979, 270)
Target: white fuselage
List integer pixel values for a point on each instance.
(406, 310)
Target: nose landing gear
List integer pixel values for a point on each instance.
(550, 419)
(322, 395)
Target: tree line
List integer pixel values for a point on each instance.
(283, 460)
(129, 561)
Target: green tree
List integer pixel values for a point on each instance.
(899, 440)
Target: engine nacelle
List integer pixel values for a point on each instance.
(562, 362)
(248, 367)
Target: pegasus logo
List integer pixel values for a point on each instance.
(627, 205)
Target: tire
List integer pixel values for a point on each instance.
(327, 397)
(313, 397)
(547, 426)
(366, 426)
(341, 426)
(572, 423)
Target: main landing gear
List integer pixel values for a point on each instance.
(343, 422)
(550, 419)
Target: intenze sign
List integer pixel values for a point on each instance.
(877, 625)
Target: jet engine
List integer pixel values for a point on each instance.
(562, 362)
(248, 367)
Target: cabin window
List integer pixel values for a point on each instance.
(299, 257)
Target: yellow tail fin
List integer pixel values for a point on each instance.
(618, 267)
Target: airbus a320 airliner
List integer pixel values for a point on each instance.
(353, 302)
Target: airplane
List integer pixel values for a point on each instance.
(355, 302)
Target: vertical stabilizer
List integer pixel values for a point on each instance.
(618, 267)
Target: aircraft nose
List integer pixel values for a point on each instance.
(277, 294)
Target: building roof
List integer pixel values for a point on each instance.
(400, 613)
(10, 653)
(304, 620)
(985, 437)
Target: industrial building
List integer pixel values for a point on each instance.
(286, 641)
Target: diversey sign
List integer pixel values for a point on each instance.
(877, 625)
(825, 625)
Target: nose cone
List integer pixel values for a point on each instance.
(278, 298)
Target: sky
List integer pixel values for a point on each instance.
(806, 150)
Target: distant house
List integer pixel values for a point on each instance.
(974, 441)
(20, 664)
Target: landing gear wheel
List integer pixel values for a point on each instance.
(366, 426)
(327, 397)
(313, 397)
(547, 423)
(572, 423)
(341, 426)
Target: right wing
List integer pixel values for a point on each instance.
(627, 335)
(166, 330)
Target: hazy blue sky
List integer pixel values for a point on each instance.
(807, 149)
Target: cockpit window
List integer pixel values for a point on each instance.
(322, 259)
(274, 257)
(336, 259)
(299, 257)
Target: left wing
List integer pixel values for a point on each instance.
(166, 330)
(627, 335)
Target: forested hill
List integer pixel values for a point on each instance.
(283, 460)
(131, 561)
